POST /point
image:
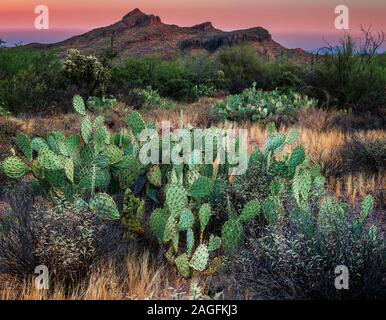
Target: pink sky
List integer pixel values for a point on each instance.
(296, 24)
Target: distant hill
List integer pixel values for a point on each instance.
(139, 34)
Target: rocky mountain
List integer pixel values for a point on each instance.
(139, 34)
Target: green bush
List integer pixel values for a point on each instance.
(258, 105)
(30, 80)
(351, 76)
(181, 79)
(241, 67)
(147, 98)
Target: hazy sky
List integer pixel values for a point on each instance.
(300, 23)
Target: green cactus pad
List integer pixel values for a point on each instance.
(170, 229)
(204, 215)
(292, 137)
(128, 176)
(154, 176)
(37, 169)
(301, 186)
(274, 143)
(191, 176)
(98, 122)
(56, 178)
(72, 142)
(297, 157)
(86, 129)
(186, 220)
(189, 241)
(250, 212)
(104, 206)
(14, 168)
(366, 206)
(182, 264)
(200, 188)
(200, 258)
(69, 169)
(214, 243)
(231, 235)
(24, 145)
(136, 123)
(176, 199)
(158, 220)
(78, 104)
(100, 139)
(113, 153)
(49, 160)
(39, 143)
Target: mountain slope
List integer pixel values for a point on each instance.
(138, 34)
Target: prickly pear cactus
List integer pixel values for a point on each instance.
(231, 235)
(250, 211)
(154, 176)
(133, 210)
(158, 221)
(200, 188)
(176, 198)
(182, 264)
(14, 168)
(104, 206)
(200, 258)
(136, 123)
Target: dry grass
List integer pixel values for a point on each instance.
(138, 278)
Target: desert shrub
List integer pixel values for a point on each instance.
(296, 259)
(284, 76)
(134, 72)
(66, 239)
(180, 79)
(147, 98)
(241, 68)
(30, 80)
(258, 105)
(351, 76)
(86, 73)
(358, 155)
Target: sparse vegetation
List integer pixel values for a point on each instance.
(75, 196)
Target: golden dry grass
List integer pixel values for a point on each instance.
(138, 278)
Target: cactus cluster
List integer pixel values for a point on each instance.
(258, 105)
(187, 200)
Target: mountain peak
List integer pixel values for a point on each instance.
(204, 26)
(136, 18)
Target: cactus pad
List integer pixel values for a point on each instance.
(24, 145)
(14, 168)
(86, 129)
(200, 258)
(78, 104)
(154, 176)
(182, 264)
(158, 220)
(214, 243)
(186, 220)
(105, 206)
(231, 235)
(250, 211)
(297, 157)
(176, 199)
(200, 188)
(204, 215)
(136, 123)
